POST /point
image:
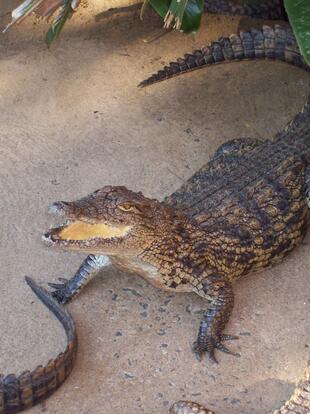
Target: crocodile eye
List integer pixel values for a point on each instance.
(126, 207)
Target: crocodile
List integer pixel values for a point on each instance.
(244, 210)
(18, 393)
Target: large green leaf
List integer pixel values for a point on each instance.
(299, 16)
(186, 11)
(192, 16)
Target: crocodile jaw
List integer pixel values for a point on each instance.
(82, 235)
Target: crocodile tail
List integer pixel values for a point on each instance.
(18, 393)
(276, 43)
(267, 10)
(299, 403)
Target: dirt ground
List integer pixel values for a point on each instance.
(73, 120)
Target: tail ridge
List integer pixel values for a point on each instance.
(271, 43)
(18, 393)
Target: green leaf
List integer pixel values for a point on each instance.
(299, 17)
(160, 6)
(190, 15)
(175, 14)
(65, 13)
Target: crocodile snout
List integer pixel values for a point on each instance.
(59, 207)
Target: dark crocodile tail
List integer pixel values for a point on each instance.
(268, 9)
(276, 43)
(299, 403)
(18, 393)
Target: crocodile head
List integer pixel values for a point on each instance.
(111, 221)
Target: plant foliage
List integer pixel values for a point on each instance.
(299, 17)
(183, 15)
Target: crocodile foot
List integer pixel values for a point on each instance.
(210, 343)
(61, 291)
(218, 291)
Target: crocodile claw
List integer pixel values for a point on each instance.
(199, 351)
(210, 344)
(60, 290)
(223, 348)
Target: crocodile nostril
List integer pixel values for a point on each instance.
(58, 208)
(47, 238)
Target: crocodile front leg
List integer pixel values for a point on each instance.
(219, 294)
(66, 291)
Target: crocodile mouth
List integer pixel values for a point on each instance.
(82, 233)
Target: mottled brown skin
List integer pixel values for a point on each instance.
(18, 393)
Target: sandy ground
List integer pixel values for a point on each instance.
(72, 120)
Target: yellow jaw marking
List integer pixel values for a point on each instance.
(80, 230)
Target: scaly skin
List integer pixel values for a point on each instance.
(267, 10)
(18, 393)
(271, 44)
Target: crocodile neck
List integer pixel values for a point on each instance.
(182, 258)
(177, 259)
